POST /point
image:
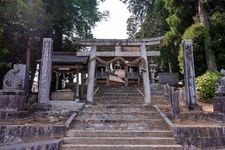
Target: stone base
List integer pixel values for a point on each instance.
(42, 107)
(12, 100)
(219, 104)
(194, 107)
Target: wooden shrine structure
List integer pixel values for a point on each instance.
(96, 63)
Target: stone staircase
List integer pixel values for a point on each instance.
(119, 121)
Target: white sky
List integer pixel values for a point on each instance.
(115, 26)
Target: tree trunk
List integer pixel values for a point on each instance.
(210, 57)
(58, 27)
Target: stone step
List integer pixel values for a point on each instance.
(116, 133)
(130, 93)
(117, 91)
(120, 140)
(120, 99)
(121, 106)
(119, 110)
(134, 93)
(127, 97)
(116, 102)
(124, 100)
(118, 116)
(154, 124)
(157, 92)
(103, 89)
(121, 147)
(107, 106)
(110, 112)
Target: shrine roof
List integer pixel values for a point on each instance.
(68, 58)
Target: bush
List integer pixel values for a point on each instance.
(205, 85)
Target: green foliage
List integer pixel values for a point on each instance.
(26, 22)
(217, 24)
(197, 33)
(177, 20)
(154, 23)
(205, 85)
(3, 51)
(174, 21)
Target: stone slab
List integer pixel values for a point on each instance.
(45, 74)
(219, 104)
(16, 78)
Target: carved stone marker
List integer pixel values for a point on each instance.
(45, 75)
(220, 89)
(189, 73)
(13, 95)
(219, 99)
(16, 78)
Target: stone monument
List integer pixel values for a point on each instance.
(16, 78)
(45, 75)
(219, 96)
(15, 84)
(189, 73)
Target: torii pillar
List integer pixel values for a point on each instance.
(145, 75)
(91, 75)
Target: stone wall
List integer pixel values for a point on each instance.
(40, 145)
(12, 100)
(200, 137)
(21, 131)
(170, 78)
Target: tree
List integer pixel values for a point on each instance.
(26, 22)
(181, 16)
(72, 17)
(210, 57)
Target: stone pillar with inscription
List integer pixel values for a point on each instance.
(189, 73)
(145, 74)
(219, 95)
(45, 74)
(91, 75)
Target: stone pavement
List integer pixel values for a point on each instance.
(119, 121)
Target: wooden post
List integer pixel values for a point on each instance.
(126, 75)
(82, 83)
(77, 99)
(57, 81)
(91, 75)
(145, 75)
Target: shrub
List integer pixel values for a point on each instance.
(205, 85)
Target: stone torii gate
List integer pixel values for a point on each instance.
(121, 48)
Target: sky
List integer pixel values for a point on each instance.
(115, 26)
